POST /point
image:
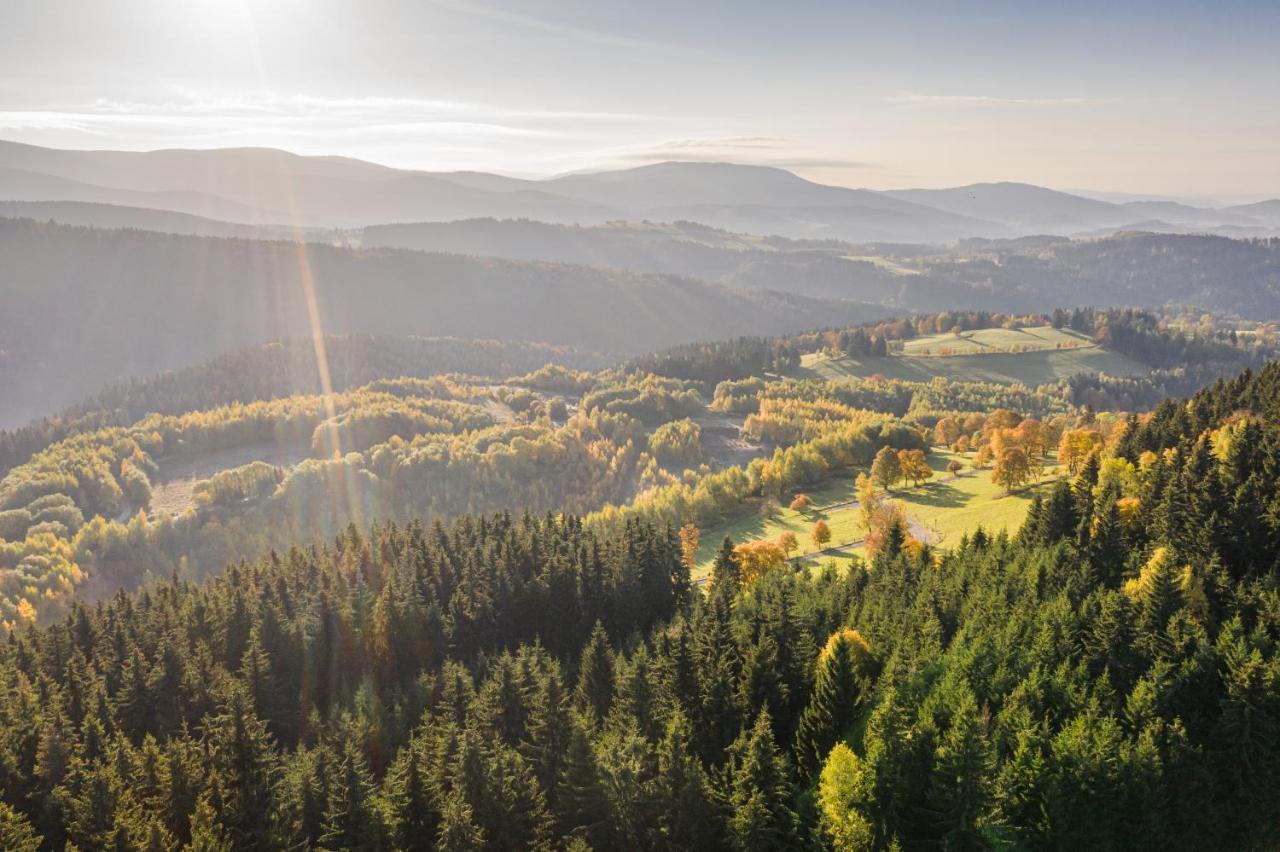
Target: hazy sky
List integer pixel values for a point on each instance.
(1152, 98)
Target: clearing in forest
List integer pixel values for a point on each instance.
(1030, 356)
(942, 510)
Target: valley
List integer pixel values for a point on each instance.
(545, 426)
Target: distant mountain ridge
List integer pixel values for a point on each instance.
(258, 186)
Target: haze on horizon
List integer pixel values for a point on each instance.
(1171, 99)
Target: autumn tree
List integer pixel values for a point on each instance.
(1075, 447)
(690, 539)
(913, 466)
(1012, 468)
(821, 535)
(886, 470)
(801, 503)
(865, 488)
(887, 531)
(846, 791)
(946, 432)
(756, 558)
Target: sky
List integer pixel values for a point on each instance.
(1150, 99)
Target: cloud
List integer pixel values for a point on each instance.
(192, 119)
(995, 101)
(753, 150)
(526, 22)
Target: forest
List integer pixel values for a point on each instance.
(460, 603)
(95, 499)
(1106, 678)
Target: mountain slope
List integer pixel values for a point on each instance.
(89, 214)
(87, 307)
(1018, 205)
(19, 185)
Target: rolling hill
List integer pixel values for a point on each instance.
(94, 306)
(266, 186)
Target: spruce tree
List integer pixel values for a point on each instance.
(350, 820)
(686, 817)
(595, 674)
(725, 571)
(832, 707)
(413, 804)
(16, 834)
(760, 792)
(581, 807)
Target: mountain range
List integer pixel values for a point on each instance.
(268, 187)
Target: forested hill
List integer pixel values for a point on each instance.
(1108, 678)
(1029, 274)
(281, 369)
(118, 303)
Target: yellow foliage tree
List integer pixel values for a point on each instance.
(690, 538)
(821, 534)
(757, 558)
(1012, 468)
(914, 466)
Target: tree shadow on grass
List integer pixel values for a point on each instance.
(940, 494)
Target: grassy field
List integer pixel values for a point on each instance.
(950, 509)
(945, 510)
(993, 341)
(984, 356)
(884, 263)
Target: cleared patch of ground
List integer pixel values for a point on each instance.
(171, 491)
(722, 440)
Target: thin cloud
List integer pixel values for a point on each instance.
(751, 150)
(996, 101)
(543, 25)
(190, 118)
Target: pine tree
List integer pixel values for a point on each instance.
(245, 766)
(759, 797)
(959, 787)
(686, 818)
(833, 705)
(582, 809)
(595, 674)
(350, 820)
(725, 572)
(16, 834)
(458, 829)
(719, 667)
(413, 805)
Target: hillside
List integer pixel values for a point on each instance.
(1031, 274)
(146, 302)
(85, 214)
(1031, 356)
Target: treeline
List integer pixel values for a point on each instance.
(922, 401)
(721, 361)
